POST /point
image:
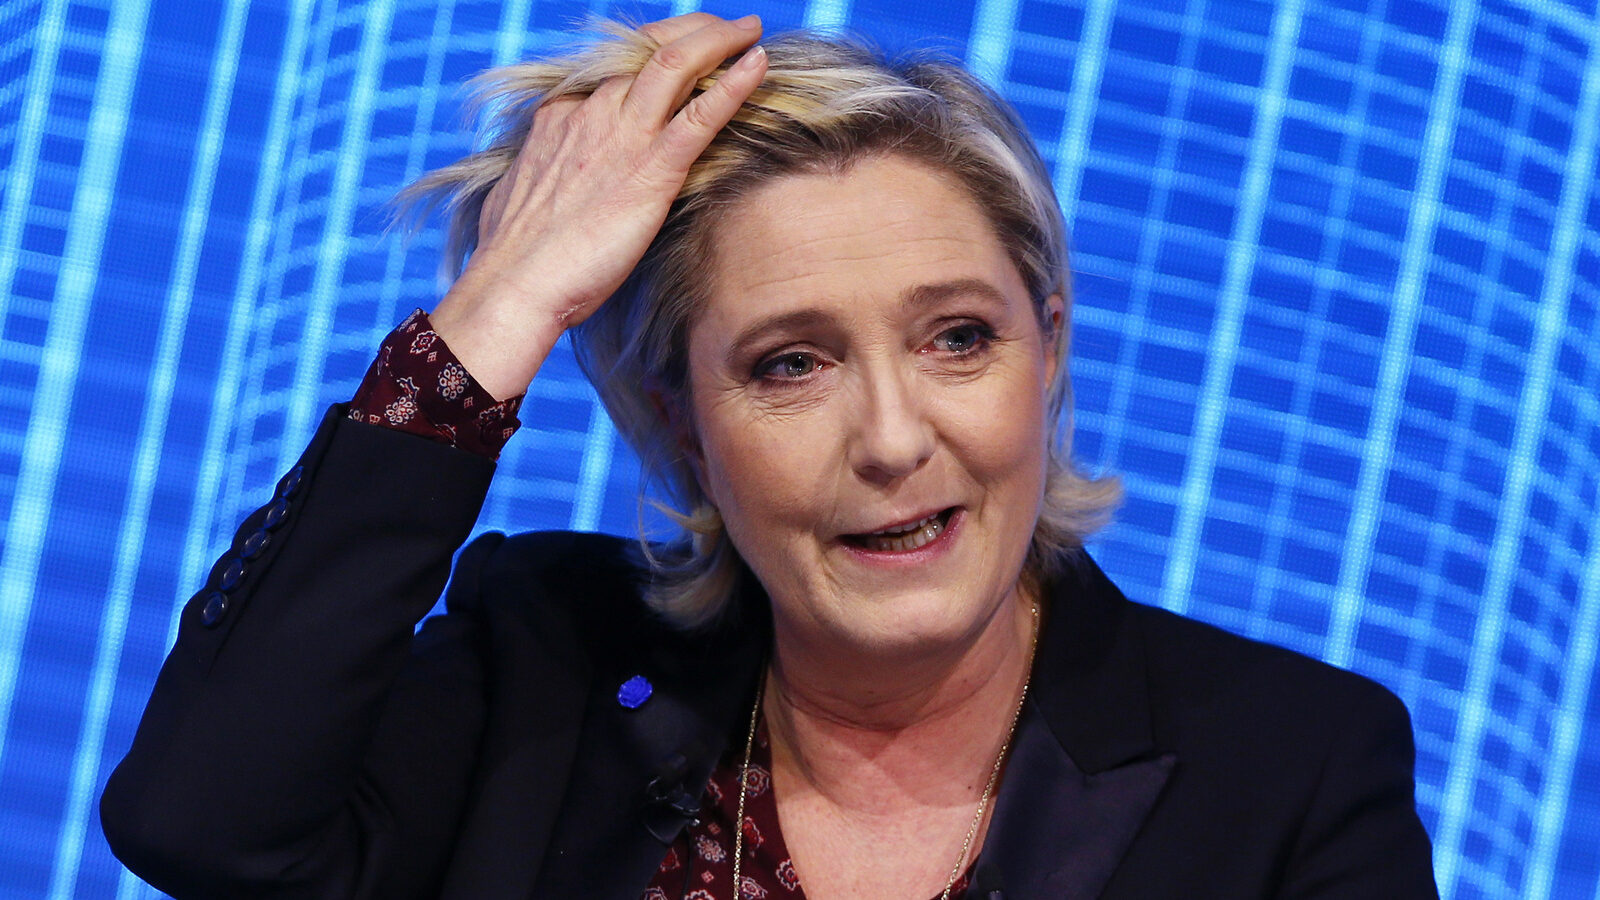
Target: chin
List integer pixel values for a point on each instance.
(913, 624)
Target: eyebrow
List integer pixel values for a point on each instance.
(921, 295)
(790, 321)
(930, 294)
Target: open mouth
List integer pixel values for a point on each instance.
(903, 538)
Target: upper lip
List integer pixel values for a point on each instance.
(900, 524)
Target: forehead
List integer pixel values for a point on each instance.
(870, 234)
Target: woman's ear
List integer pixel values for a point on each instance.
(674, 414)
(1055, 336)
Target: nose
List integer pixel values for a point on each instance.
(891, 434)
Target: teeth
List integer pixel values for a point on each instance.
(921, 534)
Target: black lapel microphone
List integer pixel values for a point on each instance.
(669, 805)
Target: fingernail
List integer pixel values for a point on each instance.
(751, 58)
(748, 23)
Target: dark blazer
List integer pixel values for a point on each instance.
(301, 742)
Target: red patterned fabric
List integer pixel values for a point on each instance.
(418, 386)
(699, 866)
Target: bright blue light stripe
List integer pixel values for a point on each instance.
(1394, 365)
(1567, 730)
(1570, 230)
(1072, 148)
(680, 7)
(197, 544)
(147, 458)
(40, 85)
(994, 24)
(1211, 405)
(1474, 707)
(416, 153)
(511, 36)
(593, 471)
(312, 349)
(826, 14)
(63, 346)
(266, 350)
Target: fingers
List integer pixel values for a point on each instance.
(590, 143)
(671, 73)
(692, 130)
(668, 30)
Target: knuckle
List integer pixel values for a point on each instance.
(700, 19)
(698, 115)
(559, 107)
(671, 57)
(571, 114)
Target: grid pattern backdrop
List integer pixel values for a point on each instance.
(1337, 284)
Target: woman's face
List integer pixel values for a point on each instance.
(868, 397)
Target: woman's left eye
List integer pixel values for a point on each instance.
(963, 339)
(788, 366)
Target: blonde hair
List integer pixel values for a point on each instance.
(826, 103)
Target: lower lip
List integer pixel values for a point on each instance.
(931, 550)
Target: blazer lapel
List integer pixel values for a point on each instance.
(1084, 770)
(639, 777)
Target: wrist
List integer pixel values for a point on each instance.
(499, 337)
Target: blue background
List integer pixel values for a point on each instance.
(1336, 324)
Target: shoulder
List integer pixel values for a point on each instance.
(566, 586)
(551, 554)
(570, 572)
(1283, 765)
(1222, 702)
(1271, 734)
(1204, 664)
(1205, 679)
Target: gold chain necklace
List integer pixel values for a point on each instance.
(977, 817)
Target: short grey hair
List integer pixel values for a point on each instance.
(826, 103)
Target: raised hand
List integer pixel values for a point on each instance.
(590, 188)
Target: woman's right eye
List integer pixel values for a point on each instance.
(788, 366)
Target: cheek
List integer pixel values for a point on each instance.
(998, 426)
(762, 471)
(1008, 456)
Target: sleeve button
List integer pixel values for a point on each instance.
(276, 513)
(291, 482)
(216, 606)
(254, 544)
(232, 575)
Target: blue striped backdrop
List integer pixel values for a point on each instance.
(1336, 323)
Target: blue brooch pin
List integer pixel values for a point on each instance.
(634, 692)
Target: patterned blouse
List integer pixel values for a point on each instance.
(417, 385)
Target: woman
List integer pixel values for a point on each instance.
(878, 667)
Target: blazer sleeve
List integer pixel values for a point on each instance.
(301, 741)
(1361, 836)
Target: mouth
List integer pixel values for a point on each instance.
(906, 537)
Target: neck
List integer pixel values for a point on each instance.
(933, 720)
